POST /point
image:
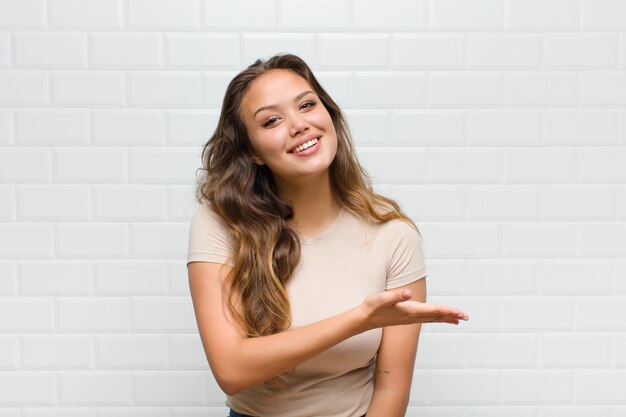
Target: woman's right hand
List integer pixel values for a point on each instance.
(394, 308)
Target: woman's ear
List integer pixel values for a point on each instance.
(257, 160)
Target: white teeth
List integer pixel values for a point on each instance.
(305, 145)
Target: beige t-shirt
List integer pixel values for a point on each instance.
(352, 259)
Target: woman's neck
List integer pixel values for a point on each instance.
(314, 204)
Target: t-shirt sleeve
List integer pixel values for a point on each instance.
(208, 238)
(406, 256)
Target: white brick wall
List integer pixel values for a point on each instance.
(499, 125)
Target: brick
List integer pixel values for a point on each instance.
(463, 239)
(6, 127)
(463, 387)
(436, 127)
(23, 14)
(493, 202)
(9, 352)
(8, 278)
(574, 202)
(581, 51)
(126, 50)
(504, 50)
(220, 51)
(58, 412)
(498, 411)
(51, 127)
(603, 15)
(134, 412)
(171, 166)
(55, 278)
(369, 127)
(199, 411)
(321, 15)
(5, 50)
(63, 202)
(90, 165)
(450, 277)
(171, 388)
(619, 349)
(28, 389)
(603, 89)
(186, 352)
(572, 276)
(127, 127)
(502, 276)
(214, 87)
(25, 240)
(164, 314)
(82, 89)
(94, 388)
(600, 313)
(543, 15)
(26, 315)
(549, 165)
(394, 165)
(384, 90)
(454, 89)
(539, 239)
(10, 412)
(536, 387)
(95, 315)
(466, 166)
(162, 14)
(7, 202)
(506, 350)
(85, 14)
(129, 202)
(264, 45)
(570, 350)
(190, 127)
(573, 411)
(130, 277)
(545, 314)
(504, 127)
(177, 282)
(23, 88)
(394, 14)
(346, 51)
(603, 239)
(593, 127)
(619, 283)
(441, 351)
(600, 386)
(57, 352)
(50, 50)
(427, 202)
(224, 14)
(131, 351)
(602, 164)
(428, 50)
(469, 15)
(339, 86)
(171, 89)
(181, 202)
(92, 240)
(541, 89)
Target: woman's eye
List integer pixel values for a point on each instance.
(307, 104)
(269, 121)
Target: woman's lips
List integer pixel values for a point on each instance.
(310, 150)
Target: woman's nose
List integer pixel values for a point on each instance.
(298, 125)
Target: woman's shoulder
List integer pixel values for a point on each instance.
(206, 218)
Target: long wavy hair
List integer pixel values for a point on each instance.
(265, 249)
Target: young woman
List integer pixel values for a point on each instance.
(309, 288)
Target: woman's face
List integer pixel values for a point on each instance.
(289, 128)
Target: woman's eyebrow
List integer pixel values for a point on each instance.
(273, 106)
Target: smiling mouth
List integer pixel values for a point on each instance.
(305, 146)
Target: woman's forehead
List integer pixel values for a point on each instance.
(275, 87)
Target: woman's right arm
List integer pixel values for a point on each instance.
(239, 362)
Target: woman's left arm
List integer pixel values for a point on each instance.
(395, 363)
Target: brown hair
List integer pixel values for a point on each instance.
(266, 249)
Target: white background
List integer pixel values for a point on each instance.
(500, 127)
